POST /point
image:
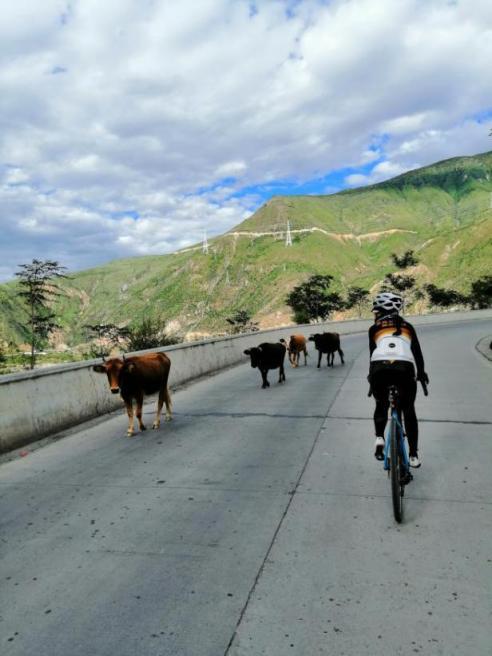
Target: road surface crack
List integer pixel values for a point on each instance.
(287, 508)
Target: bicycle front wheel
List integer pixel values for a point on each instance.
(395, 464)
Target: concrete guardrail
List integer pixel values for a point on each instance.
(42, 402)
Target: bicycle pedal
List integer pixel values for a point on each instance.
(406, 478)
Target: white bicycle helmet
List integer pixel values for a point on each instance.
(387, 301)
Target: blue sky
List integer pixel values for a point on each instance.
(326, 184)
(131, 128)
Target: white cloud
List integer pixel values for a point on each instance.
(118, 107)
(229, 169)
(379, 172)
(406, 124)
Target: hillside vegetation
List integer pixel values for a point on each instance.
(442, 212)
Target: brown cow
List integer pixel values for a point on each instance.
(296, 346)
(138, 375)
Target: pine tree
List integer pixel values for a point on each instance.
(38, 290)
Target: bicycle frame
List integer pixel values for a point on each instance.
(401, 440)
(395, 448)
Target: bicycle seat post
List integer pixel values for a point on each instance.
(393, 396)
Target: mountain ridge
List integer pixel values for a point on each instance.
(441, 211)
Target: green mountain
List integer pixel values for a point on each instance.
(443, 212)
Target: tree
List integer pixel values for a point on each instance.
(241, 322)
(106, 336)
(399, 282)
(356, 297)
(406, 260)
(481, 293)
(38, 289)
(444, 297)
(311, 301)
(151, 333)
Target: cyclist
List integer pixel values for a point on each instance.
(395, 359)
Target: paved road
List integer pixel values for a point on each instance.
(258, 522)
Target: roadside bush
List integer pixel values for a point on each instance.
(151, 333)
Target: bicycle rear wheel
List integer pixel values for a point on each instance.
(395, 464)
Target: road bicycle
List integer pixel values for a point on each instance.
(396, 461)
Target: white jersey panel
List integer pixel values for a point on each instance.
(393, 347)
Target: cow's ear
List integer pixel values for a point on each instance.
(247, 352)
(100, 368)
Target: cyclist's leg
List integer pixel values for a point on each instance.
(380, 380)
(380, 415)
(408, 392)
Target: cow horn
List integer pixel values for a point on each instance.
(123, 357)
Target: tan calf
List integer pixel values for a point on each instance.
(297, 345)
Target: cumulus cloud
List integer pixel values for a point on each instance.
(130, 128)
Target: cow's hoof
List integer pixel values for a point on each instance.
(143, 428)
(156, 424)
(168, 418)
(130, 433)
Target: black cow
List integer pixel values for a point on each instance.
(327, 343)
(268, 356)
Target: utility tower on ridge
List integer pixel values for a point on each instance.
(205, 243)
(288, 236)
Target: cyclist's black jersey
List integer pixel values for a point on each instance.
(391, 339)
